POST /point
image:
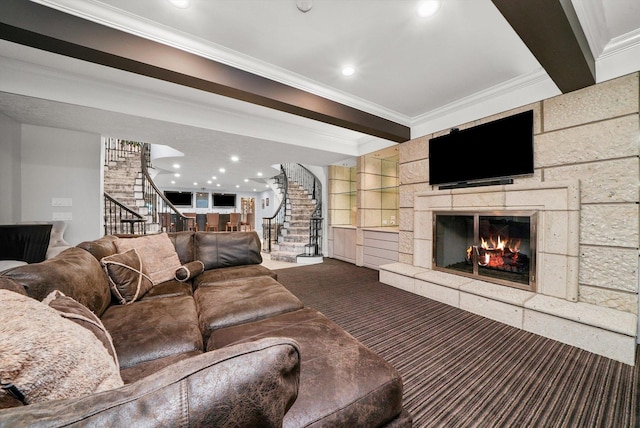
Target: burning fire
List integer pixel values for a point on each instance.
(496, 253)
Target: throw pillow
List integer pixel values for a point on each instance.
(189, 270)
(127, 276)
(159, 256)
(48, 357)
(81, 315)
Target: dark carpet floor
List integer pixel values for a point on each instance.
(463, 370)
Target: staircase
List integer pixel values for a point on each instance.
(294, 235)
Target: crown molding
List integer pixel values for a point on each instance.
(509, 87)
(109, 16)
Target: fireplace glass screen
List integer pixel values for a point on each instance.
(496, 247)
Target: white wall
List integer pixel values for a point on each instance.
(10, 132)
(59, 163)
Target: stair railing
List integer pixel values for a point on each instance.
(271, 226)
(121, 219)
(160, 210)
(115, 149)
(309, 182)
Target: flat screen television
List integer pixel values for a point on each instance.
(183, 199)
(495, 150)
(224, 199)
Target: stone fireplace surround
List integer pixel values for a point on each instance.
(552, 310)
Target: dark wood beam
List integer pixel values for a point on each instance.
(552, 32)
(41, 27)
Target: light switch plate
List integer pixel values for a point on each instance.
(61, 202)
(61, 216)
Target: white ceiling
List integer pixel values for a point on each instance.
(426, 73)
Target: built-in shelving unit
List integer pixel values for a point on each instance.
(364, 208)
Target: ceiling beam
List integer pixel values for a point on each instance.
(552, 32)
(41, 27)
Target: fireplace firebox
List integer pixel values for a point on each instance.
(497, 246)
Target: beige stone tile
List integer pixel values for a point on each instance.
(553, 198)
(612, 98)
(492, 309)
(406, 219)
(612, 225)
(444, 279)
(414, 172)
(553, 274)
(397, 280)
(500, 293)
(446, 295)
(610, 181)
(627, 302)
(415, 149)
(616, 346)
(605, 318)
(405, 242)
(609, 267)
(406, 258)
(484, 200)
(610, 139)
(433, 201)
(422, 253)
(555, 229)
(423, 225)
(402, 269)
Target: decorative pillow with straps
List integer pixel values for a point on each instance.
(128, 278)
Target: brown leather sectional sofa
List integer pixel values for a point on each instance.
(229, 347)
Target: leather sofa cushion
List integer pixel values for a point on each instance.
(342, 383)
(243, 300)
(221, 388)
(184, 243)
(224, 249)
(74, 272)
(150, 329)
(171, 288)
(142, 370)
(99, 248)
(212, 276)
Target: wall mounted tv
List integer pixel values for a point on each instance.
(224, 200)
(483, 154)
(179, 198)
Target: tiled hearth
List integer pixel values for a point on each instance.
(552, 308)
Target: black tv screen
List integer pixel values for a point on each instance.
(502, 148)
(179, 198)
(224, 200)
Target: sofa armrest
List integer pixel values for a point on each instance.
(251, 384)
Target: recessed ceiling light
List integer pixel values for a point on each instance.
(218, 185)
(348, 70)
(254, 190)
(237, 185)
(235, 158)
(173, 181)
(214, 177)
(176, 165)
(428, 8)
(182, 4)
(222, 170)
(208, 181)
(176, 175)
(259, 174)
(246, 180)
(195, 183)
